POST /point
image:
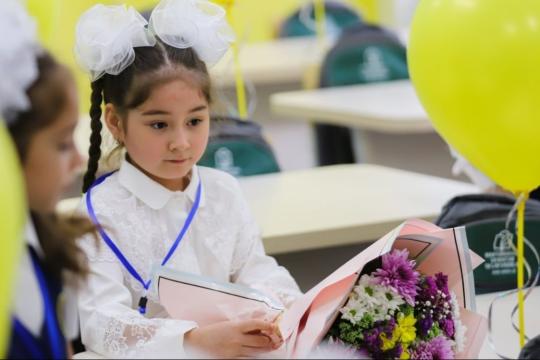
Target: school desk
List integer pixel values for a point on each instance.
(338, 205)
(390, 126)
(505, 338)
(275, 62)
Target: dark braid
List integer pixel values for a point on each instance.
(94, 152)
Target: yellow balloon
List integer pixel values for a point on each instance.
(475, 65)
(12, 217)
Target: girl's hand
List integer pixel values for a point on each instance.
(233, 339)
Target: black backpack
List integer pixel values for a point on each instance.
(363, 54)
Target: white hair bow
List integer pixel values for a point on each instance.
(105, 38)
(18, 58)
(193, 23)
(106, 35)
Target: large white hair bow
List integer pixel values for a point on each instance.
(193, 23)
(18, 58)
(105, 37)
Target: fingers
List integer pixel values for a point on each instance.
(256, 326)
(257, 341)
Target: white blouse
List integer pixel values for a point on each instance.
(28, 305)
(143, 219)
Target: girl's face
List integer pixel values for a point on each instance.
(167, 134)
(52, 159)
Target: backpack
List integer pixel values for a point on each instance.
(302, 22)
(238, 148)
(484, 217)
(363, 54)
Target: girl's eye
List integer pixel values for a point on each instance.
(194, 122)
(65, 146)
(159, 125)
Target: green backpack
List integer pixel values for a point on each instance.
(488, 240)
(238, 148)
(302, 22)
(484, 217)
(364, 54)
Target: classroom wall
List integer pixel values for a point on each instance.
(257, 21)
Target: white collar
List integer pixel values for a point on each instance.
(152, 193)
(30, 236)
(28, 306)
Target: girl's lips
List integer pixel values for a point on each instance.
(177, 161)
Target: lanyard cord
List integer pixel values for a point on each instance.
(146, 284)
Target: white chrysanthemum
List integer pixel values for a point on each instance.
(333, 349)
(389, 299)
(460, 330)
(369, 298)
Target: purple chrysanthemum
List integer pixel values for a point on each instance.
(442, 283)
(398, 272)
(394, 353)
(438, 348)
(373, 342)
(447, 325)
(424, 325)
(428, 289)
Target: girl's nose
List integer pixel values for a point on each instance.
(179, 141)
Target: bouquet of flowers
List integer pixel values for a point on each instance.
(396, 312)
(408, 295)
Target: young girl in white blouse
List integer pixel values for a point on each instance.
(38, 101)
(159, 207)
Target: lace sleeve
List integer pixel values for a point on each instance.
(251, 266)
(112, 328)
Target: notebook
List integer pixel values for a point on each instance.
(206, 301)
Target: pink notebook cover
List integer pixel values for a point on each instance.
(207, 301)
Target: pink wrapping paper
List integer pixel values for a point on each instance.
(305, 324)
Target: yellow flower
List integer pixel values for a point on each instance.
(388, 344)
(405, 354)
(405, 330)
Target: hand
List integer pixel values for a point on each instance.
(233, 339)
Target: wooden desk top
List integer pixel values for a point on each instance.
(389, 107)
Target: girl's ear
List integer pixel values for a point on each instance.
(114, 122)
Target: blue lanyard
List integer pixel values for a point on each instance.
(55, 337)
(146, 284)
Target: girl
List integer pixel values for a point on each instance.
(159, 207)
(39, 102)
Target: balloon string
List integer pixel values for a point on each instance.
(532, 278)
(520, 263)
(238, 77)
(320, 19)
